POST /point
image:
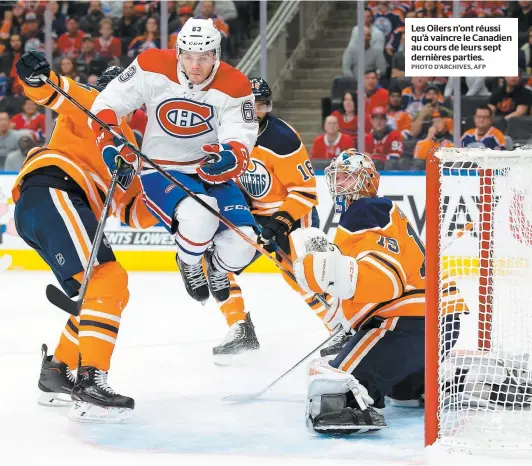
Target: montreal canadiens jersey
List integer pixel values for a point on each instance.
(391, 263)
(279, 176)
(73, 149)
(182, 117)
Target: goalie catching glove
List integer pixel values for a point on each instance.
(320, 267)
(224, 162)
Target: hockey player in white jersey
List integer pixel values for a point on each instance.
(201, 128)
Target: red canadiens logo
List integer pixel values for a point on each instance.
(183, 118)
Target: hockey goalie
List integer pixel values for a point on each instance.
(375, 270)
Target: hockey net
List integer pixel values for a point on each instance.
(479, 238)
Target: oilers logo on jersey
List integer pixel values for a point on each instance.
(257, 180)
(184, 118)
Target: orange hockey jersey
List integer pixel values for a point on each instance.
(279, 176)
(391, 264)
(73, 149)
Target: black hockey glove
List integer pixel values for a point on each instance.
(276, 230)
(30, 66)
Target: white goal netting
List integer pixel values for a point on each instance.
(485, 247)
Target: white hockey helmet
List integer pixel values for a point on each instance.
(352, 175)
(199, 35)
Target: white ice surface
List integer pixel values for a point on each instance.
(163, 360)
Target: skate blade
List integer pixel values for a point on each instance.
(54, 399)
(235, 360)
(87, 412)
(346, 430)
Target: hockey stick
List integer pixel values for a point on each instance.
(54, 294)
(177, 183)
(247, 397)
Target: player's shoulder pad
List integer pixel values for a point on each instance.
(159, 61)
(230, 81)
(279, 137)
(367, 214)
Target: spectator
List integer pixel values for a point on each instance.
(386, 19)
(397, 118)
(6, 29)
(225, 10)
(56, 53)
(330, 144)
(185, 12)
(382, 143)
(127, 27)
(394, 43)
(206, 9)
(30, 119)
(70, 42)
(523, 13)
(476, 85)
(90, 23)
(112, 9)
(512, 99)
(90, 61)
(438, 136)
(107, 45)
(32, 36)
(15, 159)
(18, 17)
(58, 19)
(377, 37)
(432, 106)
(347, 117)
(526, 49)
(68, 68)
(92, 79)
(8, 61)
(398, 59)
(149, 40)
(413, 95)
(484, 134)
(373, 58)
(376, 96)
(433, 9)
(8, 138)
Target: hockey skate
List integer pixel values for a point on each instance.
(194, 279)
(240, 339)
(218, 281)
(336, 344)
(95, 401)
(55, 383)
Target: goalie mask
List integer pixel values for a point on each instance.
(351, 176)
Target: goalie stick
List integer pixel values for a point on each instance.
(175, 182)
(54, 294)
(247, 397)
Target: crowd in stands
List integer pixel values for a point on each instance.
(87, 37)
(407, 119)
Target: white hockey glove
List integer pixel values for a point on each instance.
(320, 267)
